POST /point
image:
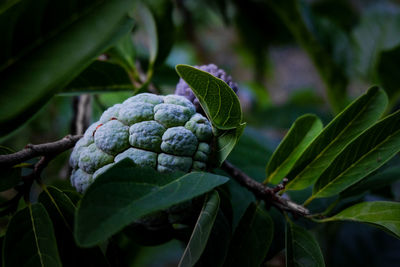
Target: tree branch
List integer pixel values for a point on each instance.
(32, 151)
(269, 195)
(49, 150)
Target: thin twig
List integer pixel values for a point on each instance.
(269, 195)
(84, 113)
(48, 151)
(32, 151)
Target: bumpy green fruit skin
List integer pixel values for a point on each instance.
(161, 132)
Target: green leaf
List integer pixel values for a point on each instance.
(301, 248)
(126, 192)
(59, 206)
(377, 31)
(221, 105)
(9, 177)
(382, 214)
(123, 53)
(342, 130)
(252, 238)
(100, 77)
(73, 196)
(226, 142)
(146, 20)
(218, 242)
(364, 155)
(373, 182)
(61, 211)
(162, 11)
(201, 231)
(300, 135)
(36, 245)
(59, 42)
(218, 100)
(387, 71)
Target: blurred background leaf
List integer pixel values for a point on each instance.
(47, 48)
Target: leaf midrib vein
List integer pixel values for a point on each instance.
(270, 177)
(35, 235)
(355, 163)
(331, 143)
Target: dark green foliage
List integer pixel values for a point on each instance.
(100, 77)
(251, 239)
(129, 193)
(374, 182)
(37, 244)
(35, 70)
(345, 172)
(218, 100)
(342, 130)
(302, 248)
(221, 105)
(302, 132)
(201, 231)
(365, 154)
(216, 251)
(62, 212)
(382, 214)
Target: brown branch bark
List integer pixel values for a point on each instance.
(32, 151)
(261, 191)
(49, 150)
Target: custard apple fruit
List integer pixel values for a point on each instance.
(161, 132)
(183, 89)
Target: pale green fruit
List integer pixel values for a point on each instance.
(161, 132)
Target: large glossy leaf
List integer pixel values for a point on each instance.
(201, 231)
(302, 132)
(218, 100)
(365, 154)
(100, 77)
(11, 176)
(252, 238)
(61, 211)
(373, 182)
(58, 42)
(301, 248)
(382, 214)
(125, 193)
(344, 128)
(30, 239)
(226, 142)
